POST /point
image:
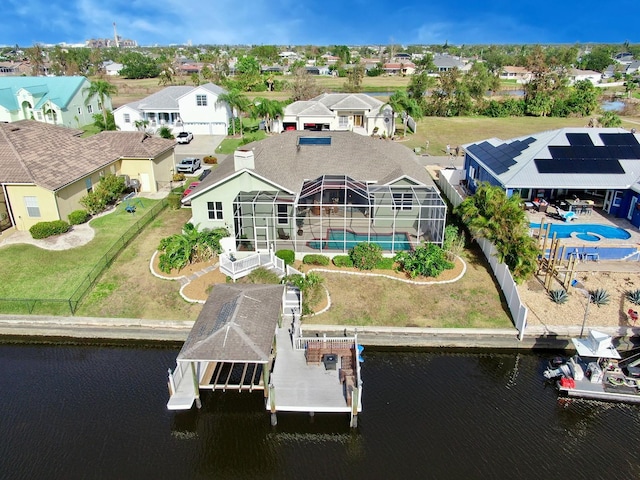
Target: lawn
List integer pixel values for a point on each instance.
(31, 272)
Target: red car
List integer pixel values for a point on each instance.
(189, 190)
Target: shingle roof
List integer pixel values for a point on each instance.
(52, 156)
(167, 98)
(237, 324)
(60, 90)
(281, 161)
(523, 171)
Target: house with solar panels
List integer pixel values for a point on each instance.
(602, 164)
(321, 192)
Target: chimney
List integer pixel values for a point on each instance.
(243, 159)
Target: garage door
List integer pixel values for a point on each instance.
(206, 128)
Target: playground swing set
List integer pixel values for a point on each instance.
(130, 203)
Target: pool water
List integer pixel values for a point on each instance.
(586, 231)
(336, 240)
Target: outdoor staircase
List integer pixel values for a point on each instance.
(240, 267)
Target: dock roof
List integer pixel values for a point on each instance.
(237, 324)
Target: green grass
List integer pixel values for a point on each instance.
(31, 272)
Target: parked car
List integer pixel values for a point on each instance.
(184, 137)
(188, 190)
(188, 165)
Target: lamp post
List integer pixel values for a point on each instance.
(578, 286)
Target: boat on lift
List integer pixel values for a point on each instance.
(596, 371)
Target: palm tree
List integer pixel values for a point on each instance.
(404, 106)
(103, 90)
(238, 103)
(267, 109)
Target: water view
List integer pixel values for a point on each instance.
(85, 411)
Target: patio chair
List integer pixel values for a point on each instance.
(282, 235)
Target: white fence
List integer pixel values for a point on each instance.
(448, 180)
(505, 280)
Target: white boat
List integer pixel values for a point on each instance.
(596, 372)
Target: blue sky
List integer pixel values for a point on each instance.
(326, 22)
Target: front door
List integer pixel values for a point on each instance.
(262, 238)
(357, 120)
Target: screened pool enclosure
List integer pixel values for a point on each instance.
(333, 213)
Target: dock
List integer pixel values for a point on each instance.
(249, 337)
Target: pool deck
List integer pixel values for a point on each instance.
(597, 217)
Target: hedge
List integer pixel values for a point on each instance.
(47, 229)
(78, 216)
(315, 259)
(288, 256)
(342, 261)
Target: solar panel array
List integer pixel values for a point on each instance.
(499, 159)
(582, 156)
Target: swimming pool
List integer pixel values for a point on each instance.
(586, 231)
(346, 239)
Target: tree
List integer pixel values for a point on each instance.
(104, 123)
(267, 109)
(354, 79)
(248, 74)
(598, 59)
(548, 79)
(490, 214)
(36, 57)
(583, 98)
(103, 90)
(610, 119)
(343, 52)
(165, 132)
(405, 107)
(137, 65)
(304, 86)
(238, 103)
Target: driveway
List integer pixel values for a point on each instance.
(200, 146)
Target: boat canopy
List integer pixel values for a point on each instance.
(597, 344)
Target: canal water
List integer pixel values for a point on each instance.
(93, 412)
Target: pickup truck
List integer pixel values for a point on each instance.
(188, 165)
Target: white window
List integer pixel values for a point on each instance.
(90, 108)
(402, 200)
(39, 115)
(201, 100)
(343, 121)
(215, 210)
(283, 215)
(127, 118)
(33, 209)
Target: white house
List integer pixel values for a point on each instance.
(356, 112)
(576, 75)
(193, 109)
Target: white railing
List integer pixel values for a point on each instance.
(337, 343)
(175, 377)
(240, 267)
(293, 271)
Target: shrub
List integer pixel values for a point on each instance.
(210, 160)
(634, 296)
(365, 256)
(599, 296)
(78, 216)
(288, 256)
(427, 260)
(558, 296)
(47, 229)
(173, 201)
(178, 177)
(94, 202)
(385, 264)
(342, 261)
(111, 187)
(315, 259)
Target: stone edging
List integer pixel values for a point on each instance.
(183, 279)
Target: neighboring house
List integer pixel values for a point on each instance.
(402, 68)
(321, 191)
(192, 109)
(519, 74)
(576, 75)
(444, 63)
(14, 68)
(313, 70)
(601, 162)
(46, 169)
(113, 68)
(56, 100)
(356, 112)
(330, 59)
